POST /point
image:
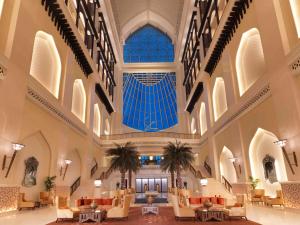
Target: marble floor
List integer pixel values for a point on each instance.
(259, 214)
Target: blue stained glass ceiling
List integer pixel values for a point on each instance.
(149, 101)
(148, 45)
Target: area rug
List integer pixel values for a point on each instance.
(165, 217)
(156, 200)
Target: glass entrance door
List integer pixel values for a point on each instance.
(151, 184)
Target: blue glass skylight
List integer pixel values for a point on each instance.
(147, 45)
(149, 101)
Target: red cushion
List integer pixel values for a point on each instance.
(107, 201)
(221, 201)
(214, 200)
(194, 201)
(87, 201)
(98, 201)
(203, 199)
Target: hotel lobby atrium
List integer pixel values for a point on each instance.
(133, 112)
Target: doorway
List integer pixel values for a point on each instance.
(151, 184)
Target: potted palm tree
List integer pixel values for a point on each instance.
(123, 158)
(177, 156)
(167, 164)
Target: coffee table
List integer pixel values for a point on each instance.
(209, 214)
(150, 209)
(92, 215)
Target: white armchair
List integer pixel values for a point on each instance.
(181, 212)
(120, 211)
(63, 210)
(236, 212)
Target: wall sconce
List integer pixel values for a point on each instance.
(67, 162)
(16, 147)
(98, 183)
(282, 143)
(203, 182)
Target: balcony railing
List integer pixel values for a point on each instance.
(150, 134)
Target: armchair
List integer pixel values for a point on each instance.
(24, 204)
(257, 195)
(236, 211)
(63, 210)
(181, 212)
(45, 198)
(120, 212)
(275, 201)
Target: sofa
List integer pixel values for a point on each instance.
(196, 202)
(103, 203)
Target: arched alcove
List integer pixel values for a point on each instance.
(250, 60)
(262, 148)
(79, 100)
(37, 146)
(45, 63)
(219, 98)
(97, 120)
(202, 118)
(107, 127)
(227, 169)
(193, 126)
(1, 7)
(295, 7)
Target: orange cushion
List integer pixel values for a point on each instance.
(221, 201)
(181, 205)
(107, 201)
(195, 201)
(87, 201)
(214, 200)
(98, 201)
(203, 199)
(62, 202)
(238, 205)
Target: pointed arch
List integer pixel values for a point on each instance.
(79, 100)
(148, 17)
(202, 118)
(1, 7)
(97, 120)
(227, 169)
(262, 144)
(250, 60)
(295, 7)
(193, 126)
(107, 127)
(45, 62)
(148, 44)
(219, 98)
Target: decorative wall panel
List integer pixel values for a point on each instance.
(8, 199)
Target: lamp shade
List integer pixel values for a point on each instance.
(97, 183)
(17, 147)
(68, 161)
(203, 182)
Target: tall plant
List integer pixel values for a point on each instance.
(177, 157)
(123, 158)
(49, 183)
(253, 182)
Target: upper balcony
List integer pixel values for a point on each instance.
(82, 26)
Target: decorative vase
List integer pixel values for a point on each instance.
(94, 205)
(207, 204)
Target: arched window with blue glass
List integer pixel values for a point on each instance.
(148, 45)
(149, 101)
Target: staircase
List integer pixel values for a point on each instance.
(196, 173)
(75, 186)
(105, 174)
(215, 187)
